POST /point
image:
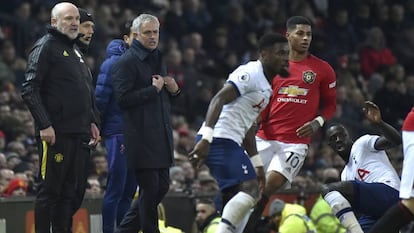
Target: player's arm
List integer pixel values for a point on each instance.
(37, 69)
(328, 94)
(249, 144)
(390, 137)
(226, 95)
(328, 98)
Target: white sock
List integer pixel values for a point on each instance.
(243, 222)
(343, 210)
(234, 213)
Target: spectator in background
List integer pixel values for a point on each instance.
(207, 217)
(23, 35)
(13, 160)
(388, 99)
(375, 53)
(404, 47)
(340, 32)
(395, 24)
(196, 16)
(175, 24)
(93, 189)
(189, 173)
(362, 20)
(13, 61)
(121, 184)
(177, 179)
(289, 218)
(100, 166)
(409, 94)
(2, 141)
(144, 94)
(207, 183)
(16, 188)
(6, 175)
(202, 61)
(3, 160)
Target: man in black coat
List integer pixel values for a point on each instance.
(143, 93)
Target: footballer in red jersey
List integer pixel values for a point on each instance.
(294, 112)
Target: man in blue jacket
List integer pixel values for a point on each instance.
(121, 183)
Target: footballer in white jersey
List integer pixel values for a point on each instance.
(229, 130)
(369, 182)
(254, 92)
(370, 165)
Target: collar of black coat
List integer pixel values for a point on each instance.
(82, 46)
(56, 33)
(142, 52)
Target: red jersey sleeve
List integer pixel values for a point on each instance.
(328, 93)
(409, 121)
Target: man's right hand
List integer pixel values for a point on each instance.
(48, 135)
(158, 82)
(372, 112)
(199, 154)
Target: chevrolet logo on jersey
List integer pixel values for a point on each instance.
(292, 90)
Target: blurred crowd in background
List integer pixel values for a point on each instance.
(368, 42)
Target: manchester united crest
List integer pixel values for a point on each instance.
(309, 76)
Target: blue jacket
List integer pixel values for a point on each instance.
(111, 116)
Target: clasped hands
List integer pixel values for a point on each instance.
(159, 82)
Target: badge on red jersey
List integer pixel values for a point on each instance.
(309, 76)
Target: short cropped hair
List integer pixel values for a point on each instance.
(125, 28)
(269, 39)
(295, 20)
(141, 19)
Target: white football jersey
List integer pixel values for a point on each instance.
(370, 165)
(254, 93)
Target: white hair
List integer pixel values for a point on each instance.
(141, 19)
(57, 9)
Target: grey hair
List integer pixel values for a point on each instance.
(141, 19)
(57, 9)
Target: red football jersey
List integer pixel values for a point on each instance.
(409, 121)
(296, 100)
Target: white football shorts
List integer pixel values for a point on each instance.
(285, 158)
(407, 176)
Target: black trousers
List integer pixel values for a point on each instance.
(63, 175)
(153, 185)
